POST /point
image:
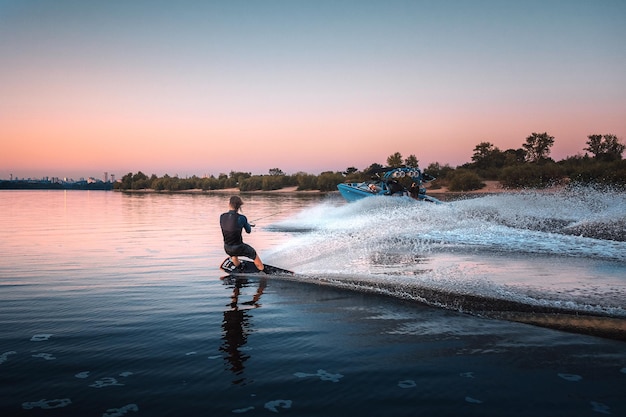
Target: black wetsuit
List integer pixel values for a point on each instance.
(233, 224)
(394, 187)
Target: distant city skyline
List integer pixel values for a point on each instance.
(105, 178)
(208, 87)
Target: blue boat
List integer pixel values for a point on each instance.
(388, 185)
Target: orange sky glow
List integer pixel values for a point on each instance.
(116, 87)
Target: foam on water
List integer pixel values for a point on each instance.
(531, 248)
(564, 224)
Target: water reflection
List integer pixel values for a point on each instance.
(236, 325)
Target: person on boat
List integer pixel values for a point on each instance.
(233, 223)
(394, 187)
(414, 191)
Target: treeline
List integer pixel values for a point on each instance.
(529, 166)
(245, 181)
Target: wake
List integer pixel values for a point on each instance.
(575, 223)
(512, 255)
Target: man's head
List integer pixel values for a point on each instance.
(235, 203)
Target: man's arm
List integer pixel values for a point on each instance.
(243, 221)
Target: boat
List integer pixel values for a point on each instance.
(389, 185)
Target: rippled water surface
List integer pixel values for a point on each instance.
(112, 304)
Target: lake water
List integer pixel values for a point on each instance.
(113, 304)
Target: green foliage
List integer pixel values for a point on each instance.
(137, 181)
(328, 181)
(306, 181)
(231, 182)
(239, 175)
(532, 176)
(126, 183)
(464, 180)
(485, 155)
(394, 160)
(356, 176)
(372, 167)
(438, 171)
(514, 156)
(593, 171)
(254, 183)
(272, 182)
(538, 146)
(411, 161)
(487, 160)
(210, 183)
(161, 184)
(605, 147)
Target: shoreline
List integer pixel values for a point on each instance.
(491, 187)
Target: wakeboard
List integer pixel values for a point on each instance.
(248, 267)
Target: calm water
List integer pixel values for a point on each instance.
(113, 305)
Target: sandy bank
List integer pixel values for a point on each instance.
(491, 187)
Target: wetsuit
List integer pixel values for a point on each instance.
(232, 225)
(394, 187)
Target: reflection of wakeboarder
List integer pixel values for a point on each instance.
(236, 326)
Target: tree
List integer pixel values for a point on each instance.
(595, 145)
(350, 170)
(252, 183)
(306, 181)
(374, 167)
(482, 150)
(464, 180)
(127, 181)
(437, 170)
(487, 155)
(327, 181)
(535, 176)
(236, 178)
(538, 146)
(614, 148)
(271, 182)
(239, 176)
(411, 161)
(140, 181)
(514, 156)
(276, 172)
(605, 148)
(394, 160)
(140, 176)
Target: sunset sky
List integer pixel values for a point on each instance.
(205, 87)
